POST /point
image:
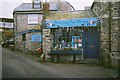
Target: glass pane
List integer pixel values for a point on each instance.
(67, 38)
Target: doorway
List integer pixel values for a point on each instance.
(91, 43)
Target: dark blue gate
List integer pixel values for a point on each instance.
(91, 44)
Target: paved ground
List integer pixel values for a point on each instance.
(18, 65)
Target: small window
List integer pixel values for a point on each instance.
(32, 18)
(23, 37)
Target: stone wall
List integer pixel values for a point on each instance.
(102, 10)
(32, 46)
(27, 45)
(47, 42)
(21, 24)
(18, 42)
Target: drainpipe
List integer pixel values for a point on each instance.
(15, 29)
(33, 4)
(110, 27)
(13, 32)
(109, 55)
(3, 37)
(118, 37)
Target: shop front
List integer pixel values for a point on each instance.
(74, 39)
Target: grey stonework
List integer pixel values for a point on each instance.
(32, 46)
(114, 36)
(18, 42)
(21, 25)
(47, 42)
(102, 10)
(27, 45)
(20, 15)
(22, 22)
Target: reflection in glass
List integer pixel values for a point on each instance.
(67, 38)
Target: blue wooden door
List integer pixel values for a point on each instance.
(91, 44)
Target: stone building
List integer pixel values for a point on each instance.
(76, 31)
(27, 22)
(6, 28)
(30, 32)
(108, 13)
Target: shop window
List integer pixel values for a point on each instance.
(69, 38)
(23, 37)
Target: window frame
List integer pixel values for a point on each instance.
(66, 34)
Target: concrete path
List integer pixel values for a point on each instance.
(19, 65)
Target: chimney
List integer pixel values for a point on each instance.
(36, 4)
(33, 4)
(46, 8)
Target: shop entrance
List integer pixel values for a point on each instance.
(91, 43)
(75, 37)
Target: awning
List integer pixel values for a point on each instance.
(76, 22)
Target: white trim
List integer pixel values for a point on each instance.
(32, 18)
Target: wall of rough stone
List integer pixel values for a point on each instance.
(47, 42)
(32, 46)
(27, 45)
(21, 24)
(102, 11)
(18, 42)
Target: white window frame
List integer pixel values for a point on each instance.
(32, 19)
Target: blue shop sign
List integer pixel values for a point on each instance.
(77, 22)
(36, 38)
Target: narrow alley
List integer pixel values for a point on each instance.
(19, 65)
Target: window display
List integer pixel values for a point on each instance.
(67, 39)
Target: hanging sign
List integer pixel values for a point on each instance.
(36, 38)
(78, 22)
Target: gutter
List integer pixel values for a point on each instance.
(28, 12)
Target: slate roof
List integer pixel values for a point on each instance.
(70, 15)
(28, 7)
(25, 7)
